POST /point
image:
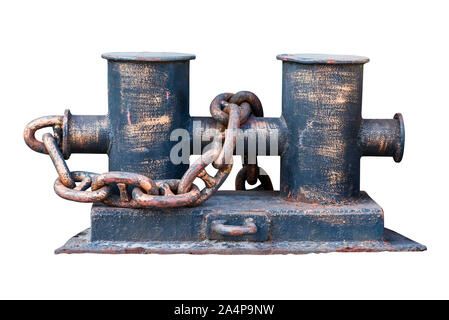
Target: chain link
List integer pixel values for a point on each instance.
(138, 191)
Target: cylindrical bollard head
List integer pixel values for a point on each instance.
(148, 98)
(321, 105)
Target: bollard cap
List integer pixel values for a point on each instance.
(315, 58)
(148, 56)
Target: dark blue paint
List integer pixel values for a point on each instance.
(276, 220)
(147, 101)
(321, 105)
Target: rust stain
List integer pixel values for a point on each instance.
(128, 117)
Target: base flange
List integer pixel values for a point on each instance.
(392, 242)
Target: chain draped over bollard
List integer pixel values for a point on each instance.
(139, 191)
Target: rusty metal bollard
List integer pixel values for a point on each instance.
(322, 103)
(150, 203)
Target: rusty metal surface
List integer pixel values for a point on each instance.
(37, 124)
(248, 102)
(84, 134)
(223, 228)
(57, 158)
(383, 137)
(79, 192)
(276, 219)
(233, 226)
(320, 137)
(392, 242)
(168, 198)
(220, 157)
(137, 190)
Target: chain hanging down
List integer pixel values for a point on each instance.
(139, 191)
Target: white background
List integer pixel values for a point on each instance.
(50, 60)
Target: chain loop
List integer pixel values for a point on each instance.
(37, 124)
(128, 178)
(79, 193)
(58, 160)
(168, 197)
(250, 172)
(248, 102)
(221, 159)
(138, 191)
(242, 177)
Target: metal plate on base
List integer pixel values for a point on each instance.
(392, 242)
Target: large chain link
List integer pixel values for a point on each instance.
(139, 191)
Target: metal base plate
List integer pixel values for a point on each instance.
(392, 242)
(283, 227)
(277, 220)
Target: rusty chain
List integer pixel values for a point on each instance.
(252, 173)
(138, 191)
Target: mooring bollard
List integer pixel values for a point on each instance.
(322, 106)
(149, 201)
